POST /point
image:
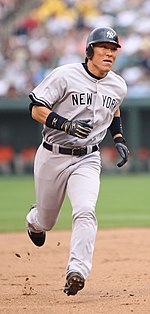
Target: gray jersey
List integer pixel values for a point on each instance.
(74, 94)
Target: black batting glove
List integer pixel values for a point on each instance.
(122, 150)
(78, 128)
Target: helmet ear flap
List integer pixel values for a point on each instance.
(89, 51)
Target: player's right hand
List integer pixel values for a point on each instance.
(78, 128)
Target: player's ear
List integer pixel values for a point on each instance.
(89, 51)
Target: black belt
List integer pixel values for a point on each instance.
(82, 151)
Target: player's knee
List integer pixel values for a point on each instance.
(85, 215)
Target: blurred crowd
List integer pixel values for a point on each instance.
(7, 7)
(53, 33)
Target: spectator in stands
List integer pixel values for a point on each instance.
(42, 39)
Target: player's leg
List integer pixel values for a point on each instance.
(83, 189)
(50, 188)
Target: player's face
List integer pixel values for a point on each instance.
(103, 58)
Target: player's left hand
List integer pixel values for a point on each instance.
(122, 150)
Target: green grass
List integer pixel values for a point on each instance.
(124, 201)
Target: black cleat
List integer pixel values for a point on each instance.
(74, 283)
(37, 238)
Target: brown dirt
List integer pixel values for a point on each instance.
(32, 278)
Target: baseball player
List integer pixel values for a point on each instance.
(77, 104)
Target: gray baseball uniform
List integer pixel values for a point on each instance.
(72, 92)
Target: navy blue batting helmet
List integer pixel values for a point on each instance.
(101, 35)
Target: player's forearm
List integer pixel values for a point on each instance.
(115, 128)
(117, 115)
(40, 114)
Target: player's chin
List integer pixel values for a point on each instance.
(107, 66)
(105, 70)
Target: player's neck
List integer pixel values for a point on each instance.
(90, 73)
(95, 70)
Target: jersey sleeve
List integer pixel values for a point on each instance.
(50, 90)
(123, 90)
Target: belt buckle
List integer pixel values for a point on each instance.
(78, 151)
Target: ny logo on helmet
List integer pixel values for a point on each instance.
(111, 34)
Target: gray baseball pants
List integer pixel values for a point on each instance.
(54, 175)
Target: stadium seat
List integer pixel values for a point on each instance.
(7, 154)
(24, 160)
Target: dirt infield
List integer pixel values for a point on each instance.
(32, 278)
